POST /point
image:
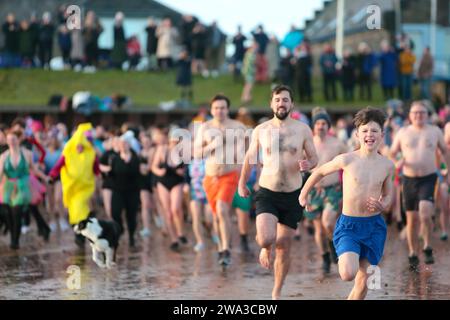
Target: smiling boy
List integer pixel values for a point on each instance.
(360, 231)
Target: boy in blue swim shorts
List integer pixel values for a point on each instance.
(360, 232)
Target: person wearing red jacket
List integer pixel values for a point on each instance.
(134, 52)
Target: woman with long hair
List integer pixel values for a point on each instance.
(15, 167)
(30, 134)
(170, 171)
(91, 32)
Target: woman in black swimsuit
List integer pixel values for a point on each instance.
(169, 170)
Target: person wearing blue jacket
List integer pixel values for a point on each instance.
(366, 64)
(388, 60)
(328, 62)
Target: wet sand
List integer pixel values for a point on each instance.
(150, 271)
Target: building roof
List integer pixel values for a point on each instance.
(132, 8)
(102, 8)
(419, 11)
(323, 26)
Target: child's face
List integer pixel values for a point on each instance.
(370, 136)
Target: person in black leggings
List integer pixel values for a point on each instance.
(28, 142)
(124, 170)
(111, 151)
(15, 168)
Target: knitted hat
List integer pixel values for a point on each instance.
(322, 116)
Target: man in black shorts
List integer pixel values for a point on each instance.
(418, 144)
(280, 144)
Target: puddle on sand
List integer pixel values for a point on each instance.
(151, 271)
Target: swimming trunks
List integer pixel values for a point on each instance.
(283, 205)
(418, 189)
(220, 188)
(325, 198)
(364, 236)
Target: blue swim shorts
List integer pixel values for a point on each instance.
(363, 235)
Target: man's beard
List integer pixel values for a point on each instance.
(282, 115)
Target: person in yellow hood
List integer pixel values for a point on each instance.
(78, 167)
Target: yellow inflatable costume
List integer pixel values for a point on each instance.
(77, 175)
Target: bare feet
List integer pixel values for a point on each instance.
(275, 296)
(265, 258)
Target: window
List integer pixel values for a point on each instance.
(332, 24)
(361, 14)
(317, 25)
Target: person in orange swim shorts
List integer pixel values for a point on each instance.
(213, 144)
(221, 188)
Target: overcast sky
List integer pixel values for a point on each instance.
(276, 15)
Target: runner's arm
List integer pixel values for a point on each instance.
(395, 147)
(388, 185)
(204, 147)
(54, 172)
(249, 160)
(258, 174)
(96, 166)
(157, 159)
(199, 143)
(105, 163)
(443, 149)
(334, 165)
(104, 168)
(151, 155)
(310, 150)
(34, 168)
(41, 149)
(2, 164)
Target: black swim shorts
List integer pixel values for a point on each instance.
(418, 189)
(283, 205)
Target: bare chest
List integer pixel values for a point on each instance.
(326, 151)
(414, 141)
(363, 175)
(283, 142)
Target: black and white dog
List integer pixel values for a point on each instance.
(104, 238)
